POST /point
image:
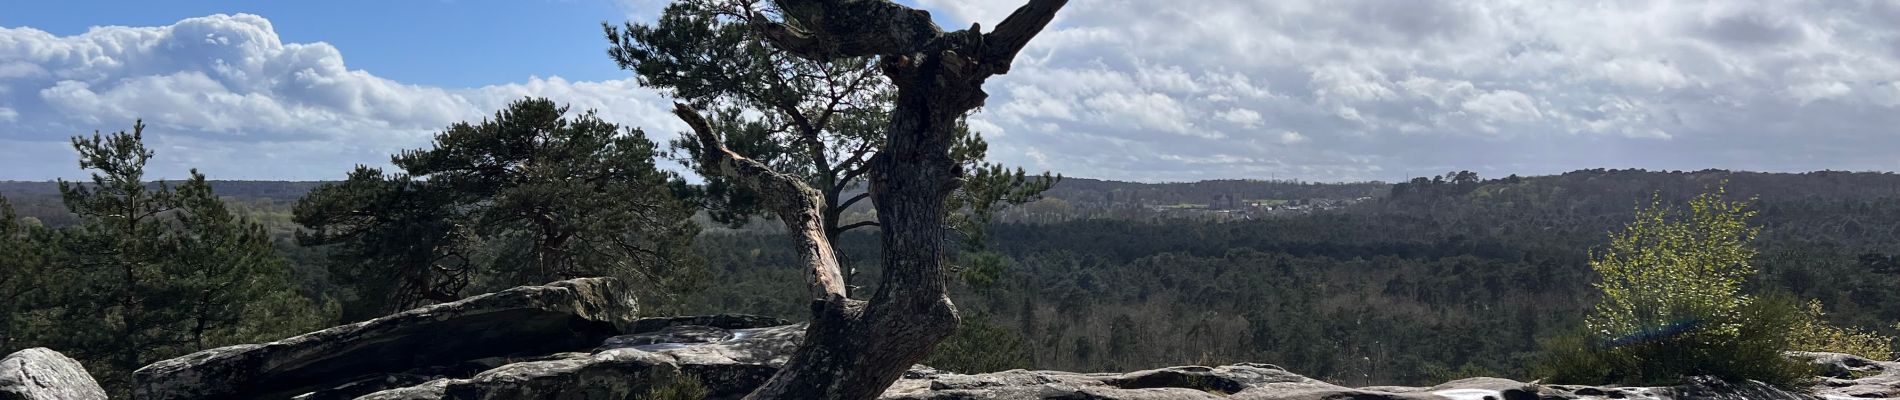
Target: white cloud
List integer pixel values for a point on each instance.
(227, 84)
(1150, 111)
(1240, 116)
(1396, 89)
(1128, 89)
(1291, 137)
(1506, 105)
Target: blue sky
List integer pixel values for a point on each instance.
(460, 43)
(1148, 90)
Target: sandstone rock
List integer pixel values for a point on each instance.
(571, 353)
(42, 374)
(361, 387)
(1850, 376)
(730, 362)
(681, 335)
(721, 321)
(1267, 382)
(1703, 387)
(561, 316)
(1240, 381)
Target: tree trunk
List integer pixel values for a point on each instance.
(854, 349)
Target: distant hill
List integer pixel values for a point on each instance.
(1082, 192)
(254, 190)
(40, 200)
(1602, 194)
(1595, 186)
(1214, 192)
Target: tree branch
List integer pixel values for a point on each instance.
(854, 200)
(858, 166)
(798, 205)
(830, 29)
(1009, 38)
(859, 224)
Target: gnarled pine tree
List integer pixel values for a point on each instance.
(818, 119)
(855, 349)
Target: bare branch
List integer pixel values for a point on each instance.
(1001, 45)
(854, 200)
(857, 225)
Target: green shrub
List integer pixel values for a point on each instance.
(1672, 305)
(1816, 334)
(677, 386)
(1753, 351)
(980, 346)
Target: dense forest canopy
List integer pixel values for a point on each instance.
(1427, 280)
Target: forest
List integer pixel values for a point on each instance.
(1436, 278)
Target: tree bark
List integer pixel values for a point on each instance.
(855, 349)
(796, 204)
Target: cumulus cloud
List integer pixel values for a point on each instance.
(1291, 137)
(1245, 118)
(1128, 89)
(1373, 89)
(226, 94)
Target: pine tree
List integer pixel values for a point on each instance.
(396, 243)
(20, 264)
(531, 196)
(154, 271)
(821, 121)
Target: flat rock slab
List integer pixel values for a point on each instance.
(42, 374)
(562, 316)
(1267, 382)
(1851, 376)
(721, 321)
(728, 362)
(733, 362)
(1239, 381)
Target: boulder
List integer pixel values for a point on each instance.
(729, 362)
(1267, 382)
(1851, 376)
(721, 321)
(1711, 388)
(1238, 381)
(680, 335)
(42, 374)
(530, 320)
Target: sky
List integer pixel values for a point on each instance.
(1141, 90)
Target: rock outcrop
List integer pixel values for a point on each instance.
(530, 320)
(42, 374)
(730, 362)
(1850, 376)
(1268, 382)
(579, 340)
(1239, 381)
